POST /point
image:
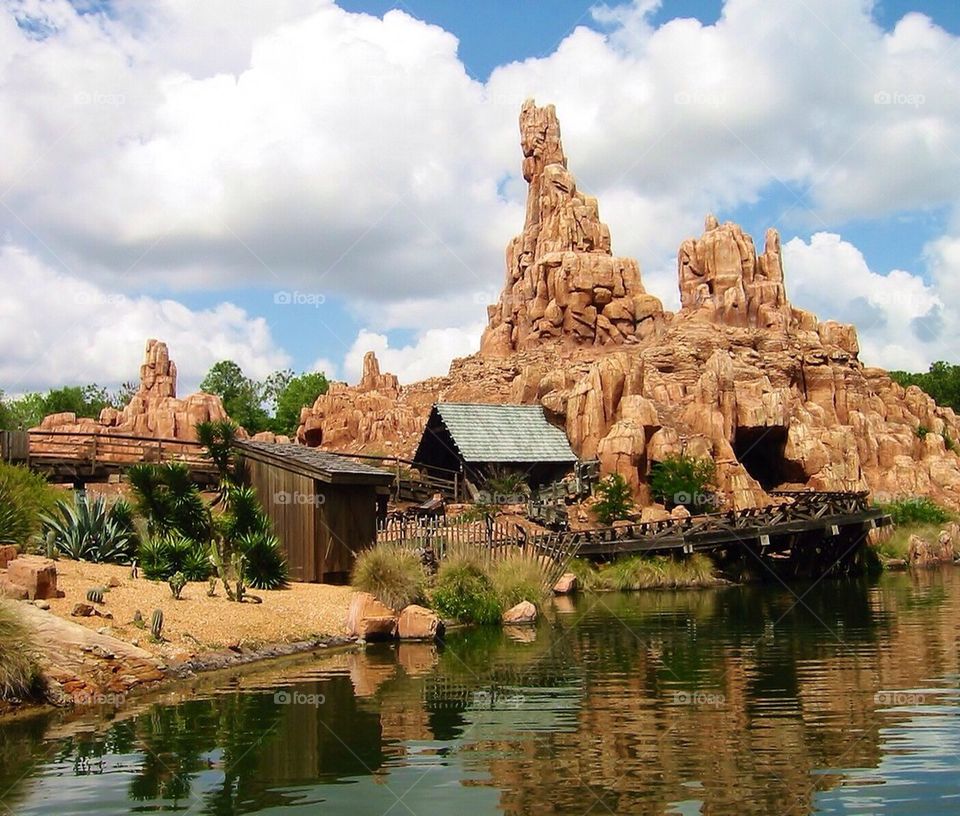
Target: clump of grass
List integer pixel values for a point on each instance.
(464, 591)
(586, 572)
(393, 575)
(656, 572)
(921, 431)
(916, 510)
(19, 674)
(517, 579)
(896, 543)
(24, 498)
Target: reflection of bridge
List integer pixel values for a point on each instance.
(94, 457)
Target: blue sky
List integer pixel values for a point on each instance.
(367, 168)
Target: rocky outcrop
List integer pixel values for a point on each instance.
(777, 398)
(563, 283)
(153, 411)
(29, 577)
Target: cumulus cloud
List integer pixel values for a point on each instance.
(56, 328)
(428, 356)
(899, 317)
(342, 153)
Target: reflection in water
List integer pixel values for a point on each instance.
(839, 697)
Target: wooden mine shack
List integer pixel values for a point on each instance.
(480, 440)
(324, 507)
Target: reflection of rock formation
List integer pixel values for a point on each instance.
(154, 411)
(562, 280)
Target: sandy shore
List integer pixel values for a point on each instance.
(198, 623)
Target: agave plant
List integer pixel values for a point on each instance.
(264, 564)
(87, 531)
(168, 499)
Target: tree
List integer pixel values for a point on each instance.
(296, 393)
(242, 397)
(942, 382)
(684, 480)
(615, 501)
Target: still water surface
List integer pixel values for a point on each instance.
(839, 698)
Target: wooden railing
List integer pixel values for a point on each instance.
(412, 481)
(93, 452)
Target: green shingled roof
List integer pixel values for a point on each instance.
(504, 433)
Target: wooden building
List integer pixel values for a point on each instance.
(480, 441)
(324, 507)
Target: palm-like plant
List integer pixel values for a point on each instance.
(164, 556)
(218, 438)
(88, 531)
(264, 564)
(170, 501)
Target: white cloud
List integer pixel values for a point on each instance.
(340, 153)
(56, 329)
(899, 317)
(428, 356)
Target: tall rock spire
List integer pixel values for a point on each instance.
(563, 284)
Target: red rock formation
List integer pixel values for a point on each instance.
(772, 395)
(154, 411)
(563, 283)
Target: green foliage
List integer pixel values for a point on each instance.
(684, 480)
(243, 515)
(218, 438)
(297, 392)
(942, 382)
(463, 591)
(162, 557)
(25, 498)
(242, 397)
(516, 578)
(921, 431)
(170, 502)
(506, 486)
(177, 582)
(615, 500)
(264, 565)
(19, 674)
(916, 510)
(655, 572)
(950, 443)
(393, 575)
(87, 530)
(27, 411)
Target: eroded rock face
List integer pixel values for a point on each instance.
(775, 397)
(154, 411)
(563, 283)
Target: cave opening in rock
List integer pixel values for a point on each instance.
(761, 452)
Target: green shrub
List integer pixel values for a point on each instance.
(656, 572)
(916, 510)
(264, 564)
(921, 431)
(243, 516)
(615, 500)
(170, 501)
(684, 480)
(393, 575)
(87, 530)
(586, 572)
(517, 579)
(949, 443)
(464, 592)
(161, 557)
(19, 674)
(24, 498)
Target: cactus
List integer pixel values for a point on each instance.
(95, 595)
(176, 583)
(50, 542)
(156, 625)
(138, 619)
(212, 586)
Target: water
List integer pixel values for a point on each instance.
(838, 697)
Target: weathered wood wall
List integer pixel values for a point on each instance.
(321, 526)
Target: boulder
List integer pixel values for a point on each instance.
(82, 610)
(523, 613)
(7, 553)
(369, 619)
(566, 584)
(419, 623)
(923, 553)
(38, 575)
(12, 591)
